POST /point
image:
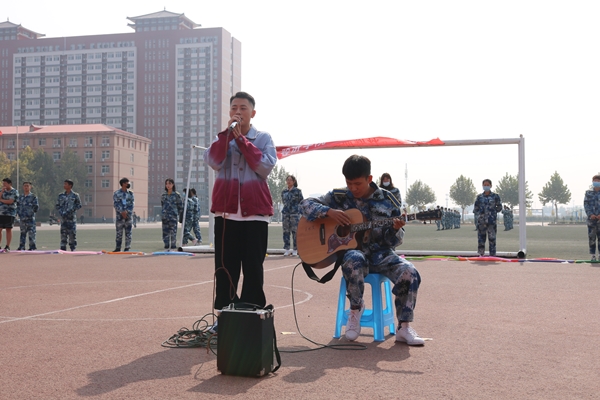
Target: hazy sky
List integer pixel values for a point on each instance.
(457, 70)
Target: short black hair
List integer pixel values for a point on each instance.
(487, 180)
(122, 181)
(7, 180)
(26, 182)
(243, 95)
(383, 176)
(356, 166)
(70, 182)
(172, 181)
(293, 178)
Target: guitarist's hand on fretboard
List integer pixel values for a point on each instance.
(398, 223)
(339, 216)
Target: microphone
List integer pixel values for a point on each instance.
(233, 125)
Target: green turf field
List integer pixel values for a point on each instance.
(563, 241)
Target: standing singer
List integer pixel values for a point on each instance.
(241, 201)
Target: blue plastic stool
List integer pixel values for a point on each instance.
(377, 317)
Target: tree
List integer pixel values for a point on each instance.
(44, 181)
(555, 192)
(463, 193)
(276, 181)
(508, 189)
(420, 194)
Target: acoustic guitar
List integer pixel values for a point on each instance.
(319, 240)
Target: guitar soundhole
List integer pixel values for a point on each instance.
(342, 231)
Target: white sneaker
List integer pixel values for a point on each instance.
(287, 253)
(353, 325)
(594, 258)
(295, 253)
(194, 242)
(409, 336)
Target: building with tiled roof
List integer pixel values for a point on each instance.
(108, 153)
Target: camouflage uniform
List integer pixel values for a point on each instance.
(9, 209)
(196, 222)
(172, 206)
(189, 220)
(26, 209)
(591, 205)
(487, 208)
(290, 198)
(123, 201)
(67, 206)
(377, 255)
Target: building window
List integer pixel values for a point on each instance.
(105, 183)
(131, 158)
(131, 172)
(87, 198)
(90, 169)
(57, 142)
(88, 142)
(105, 154)
(105, 169)
(88, 155)
(41, 141)
(105, 141)
(73, 142)
(88, 212)
(56, 156)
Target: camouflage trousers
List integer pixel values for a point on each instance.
(290, 227)
(123, 225)
(169, 233)
(404, 276)
(593, 235)
(187, 231)
(27, 230)
(196, 227)
(490, 232)
(68, 231)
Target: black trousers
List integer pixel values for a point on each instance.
(240, 246)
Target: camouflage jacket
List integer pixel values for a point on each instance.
(67, 206)
(27, 207)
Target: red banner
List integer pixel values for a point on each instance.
(366, 143)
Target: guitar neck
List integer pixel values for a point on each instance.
(379, 223)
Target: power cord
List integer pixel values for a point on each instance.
(199, 336)
(342, 346)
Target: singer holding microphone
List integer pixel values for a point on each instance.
(241, 201)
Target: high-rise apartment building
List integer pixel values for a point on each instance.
(169, 81)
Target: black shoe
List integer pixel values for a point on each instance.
(126, 249)
(20, 248)
(32, 248)
(116, 250)
(63, 248)
(7, 249)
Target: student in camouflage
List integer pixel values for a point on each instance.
(487, 206)
(123, 202)
(591, 205)
(377, 254)
(26, 209)
(9, 198)
(172, 207)
(67, 205)
(385, 182)
(196, 222)
(190, 210)
(507, 217)
(290, 198)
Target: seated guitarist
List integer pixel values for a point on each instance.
(376, 253)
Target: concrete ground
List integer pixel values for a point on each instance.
(91, 326)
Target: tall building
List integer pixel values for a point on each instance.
(169, 81)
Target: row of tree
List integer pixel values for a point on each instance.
(462, 191)
(46, 175)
